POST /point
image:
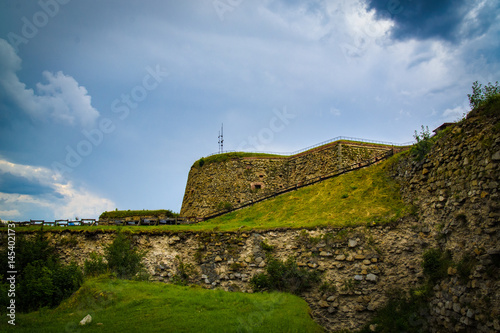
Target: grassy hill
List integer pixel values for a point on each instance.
(134, 306)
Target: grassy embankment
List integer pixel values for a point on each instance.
(356, 198)
(133, 306)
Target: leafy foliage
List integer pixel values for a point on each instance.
(481, 95)
(123, 259)
(95, 265)
(435, 264)
(424, 144)
(224, 206)
(42, 280)
(401, 313)
(284, 276)
(184, 274)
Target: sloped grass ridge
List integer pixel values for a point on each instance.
(367, 195)
(133, 306)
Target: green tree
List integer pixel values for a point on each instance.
(123, 259)
(482, 94)
(42, 280)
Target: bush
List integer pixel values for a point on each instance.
(481, 95)
(95, 265)
(123, 259)
(42, 280)
(435, 264)
(465, 266)
(401, 313)
(184, 274)
(424, 144)
(224, 206)
(284, 276)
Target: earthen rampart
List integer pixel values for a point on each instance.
(213, 187)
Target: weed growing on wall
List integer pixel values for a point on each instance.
(284, 276)
(123, 259)
(435, 264)
(95, 265)
(424, 144)
(185, 273)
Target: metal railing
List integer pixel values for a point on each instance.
(338, 138)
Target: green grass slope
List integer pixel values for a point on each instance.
(363, 196)
(133, 306)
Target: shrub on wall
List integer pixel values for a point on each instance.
(123, 259)
(435, 264)
(424, 144)
(95, 265)
(284, 276)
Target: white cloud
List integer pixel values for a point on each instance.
(336, 112)
(9, 214)
(65, 201)
(455, 113)
(61, 99)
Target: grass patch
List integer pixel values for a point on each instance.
(134, 306)
(231, 156)
(121, 214)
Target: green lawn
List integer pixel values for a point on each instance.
(133, 306)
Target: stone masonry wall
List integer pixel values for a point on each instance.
(360, 264)
(235, 181)
(456, 189)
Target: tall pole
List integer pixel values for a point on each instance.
(222, 138)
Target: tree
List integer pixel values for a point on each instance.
(482, 94)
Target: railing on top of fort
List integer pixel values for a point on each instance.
(93, 222)
(338, 138)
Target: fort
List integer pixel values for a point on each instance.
(227, 181)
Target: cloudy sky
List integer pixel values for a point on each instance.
(106, 104)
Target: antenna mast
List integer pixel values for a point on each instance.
(221, 139)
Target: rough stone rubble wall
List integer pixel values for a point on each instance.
(238, 180)
(456, 189)
(361, 263)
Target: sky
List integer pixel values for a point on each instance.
(105, 105)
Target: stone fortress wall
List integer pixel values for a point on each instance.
(455, 191)
(215, 186)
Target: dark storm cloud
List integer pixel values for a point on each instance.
(13, 184)
(449, 20)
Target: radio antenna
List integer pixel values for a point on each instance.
(221, 139)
